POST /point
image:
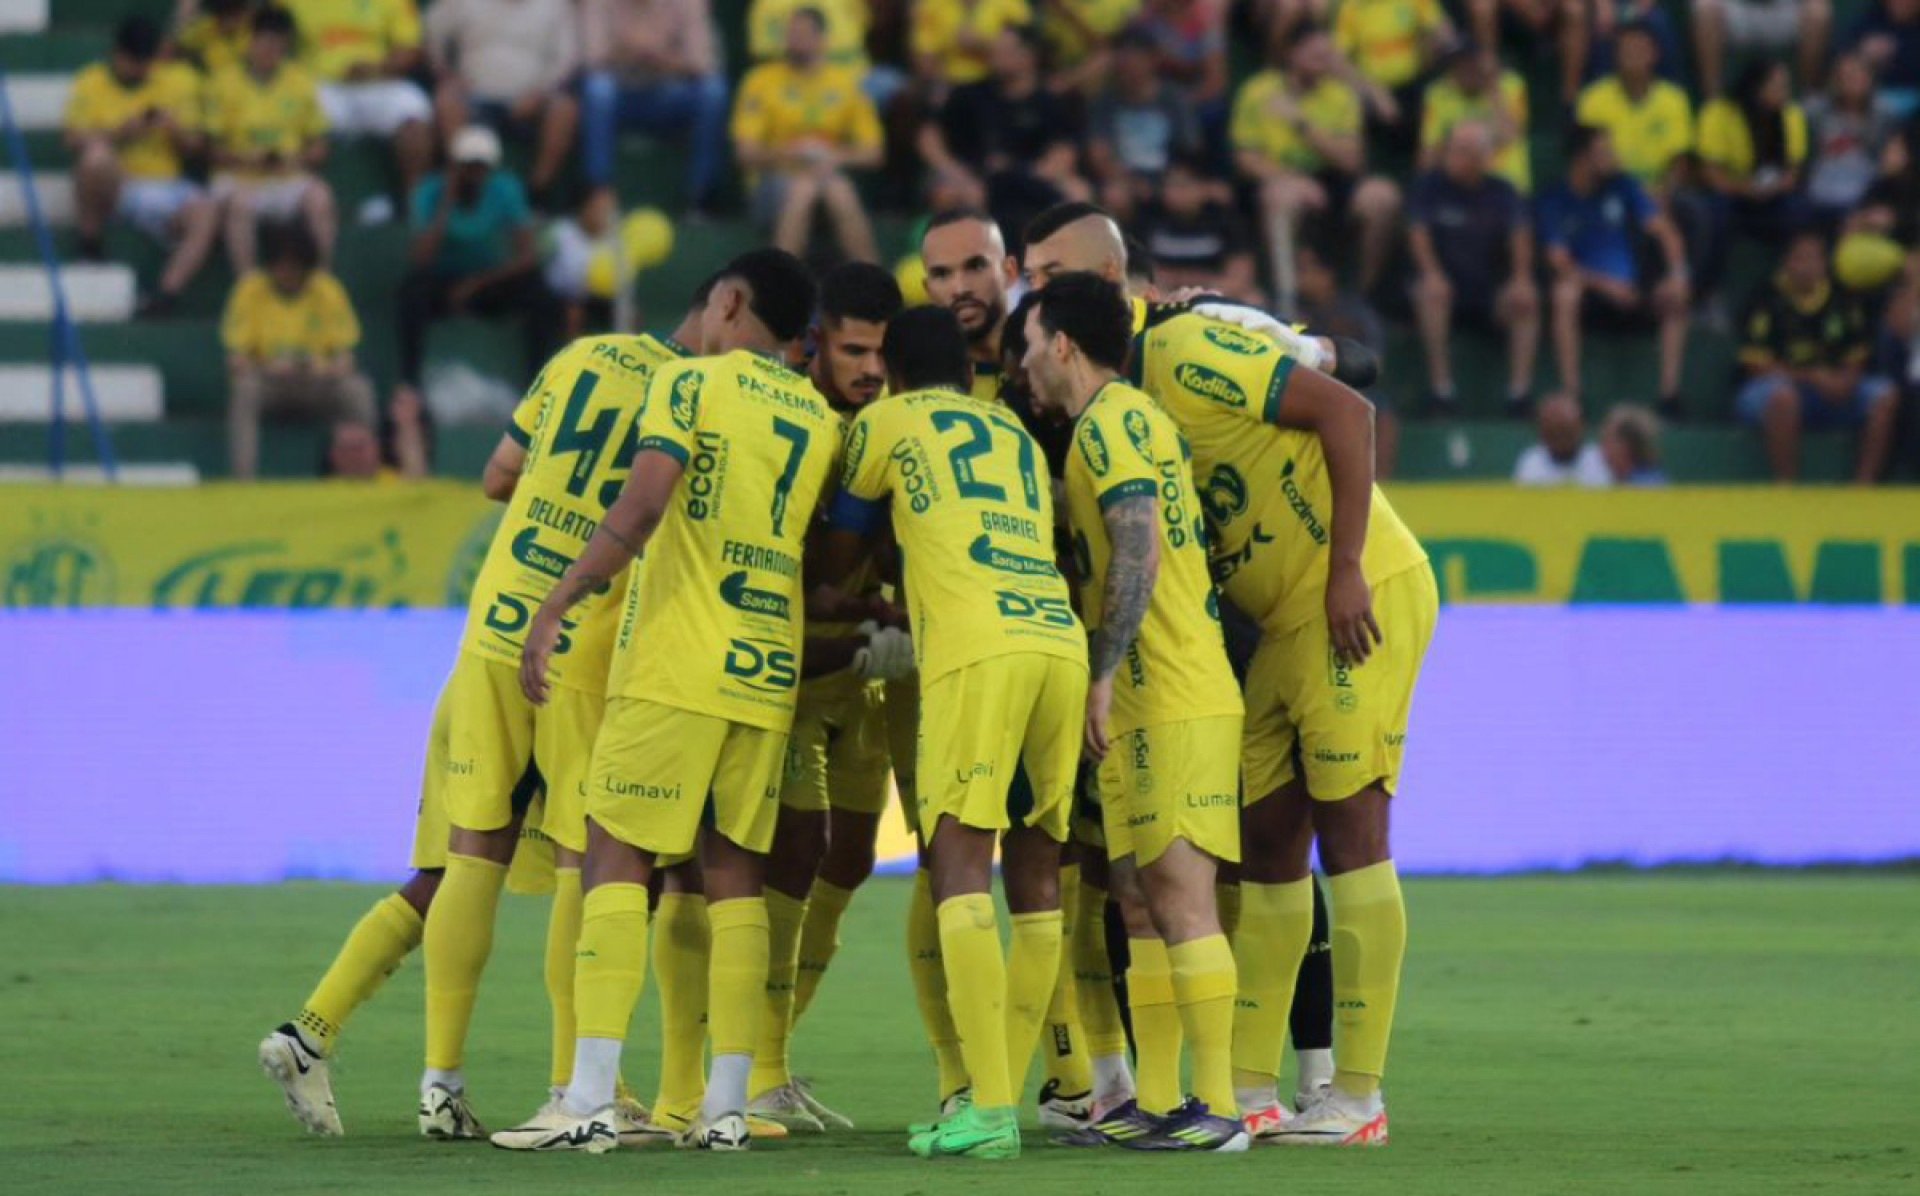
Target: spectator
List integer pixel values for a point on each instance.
(131, 123)
(953, 40)
(1297, 137)
(508, 64)
(354, 453)
(1610, 16)
(800, 126)
(1473, 250)
(654, 65)
(363, 53)
(1630, 443)
(1195, 239)
(1772, 26)
(1277, 20)
(1192, 36)
(1752, 150)
(1562, 456)
(473, 251)
(289, 332)
(213, 33)
(1006, 142)
(1081, 36)
(1596, 229)
(1806, 353)
(1568, 23)
(1651, 120)
(1332, 311)
(845, 20)
(1475, 88)
(569, 251)
(1388, 46)
(1138, 124)
(1847, 129)
(1888, 34)
(269, 137)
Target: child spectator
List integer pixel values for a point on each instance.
(1630, 445)
(509, 64)
(363, 54)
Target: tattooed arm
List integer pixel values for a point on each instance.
(623, 534)
(1133, 530)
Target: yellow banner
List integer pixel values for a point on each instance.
(348, 546)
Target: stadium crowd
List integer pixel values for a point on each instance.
(1383, 157)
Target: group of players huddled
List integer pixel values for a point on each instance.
(811, 540)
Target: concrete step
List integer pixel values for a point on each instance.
(95, 293)
(39, 99)
(137, 473)
(23, 16)
(55, 190)
(125, 393)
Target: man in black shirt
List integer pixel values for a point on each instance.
(1195, 239)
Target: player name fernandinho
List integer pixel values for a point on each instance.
(756, 556)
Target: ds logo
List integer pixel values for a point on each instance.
(510, 614)
(763, 664)
(1054, 612)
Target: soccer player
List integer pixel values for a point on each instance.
(1346, 602)
(731, 454)
(1165, 729)
(1002, 681)
(561, 440)
(836, 785)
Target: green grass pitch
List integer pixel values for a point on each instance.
(1741, 1033)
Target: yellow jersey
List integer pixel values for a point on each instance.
(1126, 446)
(100, 103)
(1726, 142)
(1264, 488)
(713, 621)
(281, 115)
(338, 35)
(262, 323)
(1647, 135)
(578, 424)
(1386, 38)
(973, 512)
(212, 46)
(847, 20)
(780, 107)
(1330, 107)
(1103, 18)
(1445, 106)
(939, 24)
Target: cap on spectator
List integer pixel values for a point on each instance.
(476, 144)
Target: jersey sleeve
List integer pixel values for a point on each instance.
(861, 504)
(526, 416)
(1112, 444)
(671, 412)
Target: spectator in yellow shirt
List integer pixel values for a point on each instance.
(1080, 35)
(952, 40)
(1753, 151)
(363, 53)
(213, 33)
(130, 122)
(799, 126)
(269, 137)
(289, 332)
(1475, 88)
(1650, 119)
(1297, 136)
(1388, 46)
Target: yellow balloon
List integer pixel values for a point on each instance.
(600, 281)
(911, 273)
(647, 235)
(1867, 261)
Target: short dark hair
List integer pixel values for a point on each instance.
(1641, 26)
(779, 286)
(138, 37)
(959, 216)
(1013, 336)
(704, 291)
(811, 13)
(289, 240)
(1581, 138)
(1136, 37)
(925, 346)
(1058, 217)
(274, 19)
(859, 291)
(1092, 313)
(1139, 259)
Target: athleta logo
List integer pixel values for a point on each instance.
(640, 789)
(1210, 384)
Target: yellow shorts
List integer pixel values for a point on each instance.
(903, 737)
(430, 820)
(837, 755)
(1173, 781)
(501, 749)
(998, 743)
(1348, 724)
(660, 773)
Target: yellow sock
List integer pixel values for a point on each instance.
(681, 944)
(737, 977)
(1156, 1024)
(977, 993)
(1275, 923)
(1033, 976)
(610, 962)
(1226, 899)
(1203, 987)
(563, 938)
(1106, 1033)
(378, 944)
(1063, 1045)
(1369, 940)
(928, 969)
(819, 939)
(784, 916)
(458, 938)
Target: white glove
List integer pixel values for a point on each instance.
(1310, 351)
(888, 655)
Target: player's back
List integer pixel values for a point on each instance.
(578, 423)
(973, 513)
(713, 621)
(1265, 488)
